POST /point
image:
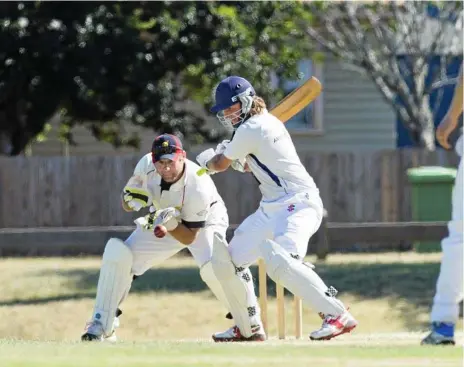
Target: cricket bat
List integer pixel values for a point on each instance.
(293, 103)
(297, 100)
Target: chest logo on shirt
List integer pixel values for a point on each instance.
(291, 208)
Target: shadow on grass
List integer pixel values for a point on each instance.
(409, 286)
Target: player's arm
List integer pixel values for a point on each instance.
(185, 231)
(219, 163)
(184, 234)
(193, 217)
(237, 149)
(450, 121)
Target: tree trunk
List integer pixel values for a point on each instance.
(427, 125)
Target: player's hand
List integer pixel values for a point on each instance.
(167, 217)
(239, 165)
(204, 157)
(444, 130)
(150, 218)
(135, 195)
(221, 147)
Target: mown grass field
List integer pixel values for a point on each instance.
(360, 353)
(170, 315)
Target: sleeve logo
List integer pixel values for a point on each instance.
(202, 213)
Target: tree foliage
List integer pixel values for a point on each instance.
(104, 64)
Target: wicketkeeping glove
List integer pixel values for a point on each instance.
(167, 217)
(135, 194)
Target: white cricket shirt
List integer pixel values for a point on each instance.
(271, 155)
(196, 197)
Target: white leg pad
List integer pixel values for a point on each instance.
(234, 286)
(114, 281)
(208, 276)
(299, 279)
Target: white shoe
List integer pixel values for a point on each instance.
(233, 335)
(94, 332)
(334, 326)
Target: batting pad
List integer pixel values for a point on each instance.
(208, 276)
(299, 279)
(234, 287)
(113, 283)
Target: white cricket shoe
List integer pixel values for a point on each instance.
(334, 326)
(94, 332)
(233, 335)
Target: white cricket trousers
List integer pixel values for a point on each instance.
(449, 286)
(290, 222)
(148, 250)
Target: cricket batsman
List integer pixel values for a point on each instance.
(449, 292)
(290, 212)
(185, 210)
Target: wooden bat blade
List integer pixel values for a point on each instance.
(297, 100)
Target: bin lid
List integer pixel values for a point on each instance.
(431, 174)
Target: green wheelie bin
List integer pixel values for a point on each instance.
(431, 188)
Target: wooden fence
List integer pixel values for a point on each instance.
(331, 237)
(85, 191)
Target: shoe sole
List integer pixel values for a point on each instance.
(445, 342)
(260, 338)
(93, 338)
(90, 338)
(345, 330)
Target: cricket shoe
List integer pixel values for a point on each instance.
(441, 334)
(334, 326)
(94, 332)
(233, 335)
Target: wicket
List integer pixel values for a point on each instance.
(297, 305)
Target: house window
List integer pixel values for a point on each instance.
(309, 120)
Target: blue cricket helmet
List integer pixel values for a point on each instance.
(229, 90)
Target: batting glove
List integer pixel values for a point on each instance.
(239, 165)
(221, 147)
(204, 157)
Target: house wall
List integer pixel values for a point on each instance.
(355, 115)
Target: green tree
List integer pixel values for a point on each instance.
(106, 64)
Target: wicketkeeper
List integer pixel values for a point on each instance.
(185, 210)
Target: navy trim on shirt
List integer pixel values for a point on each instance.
(267, 170)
